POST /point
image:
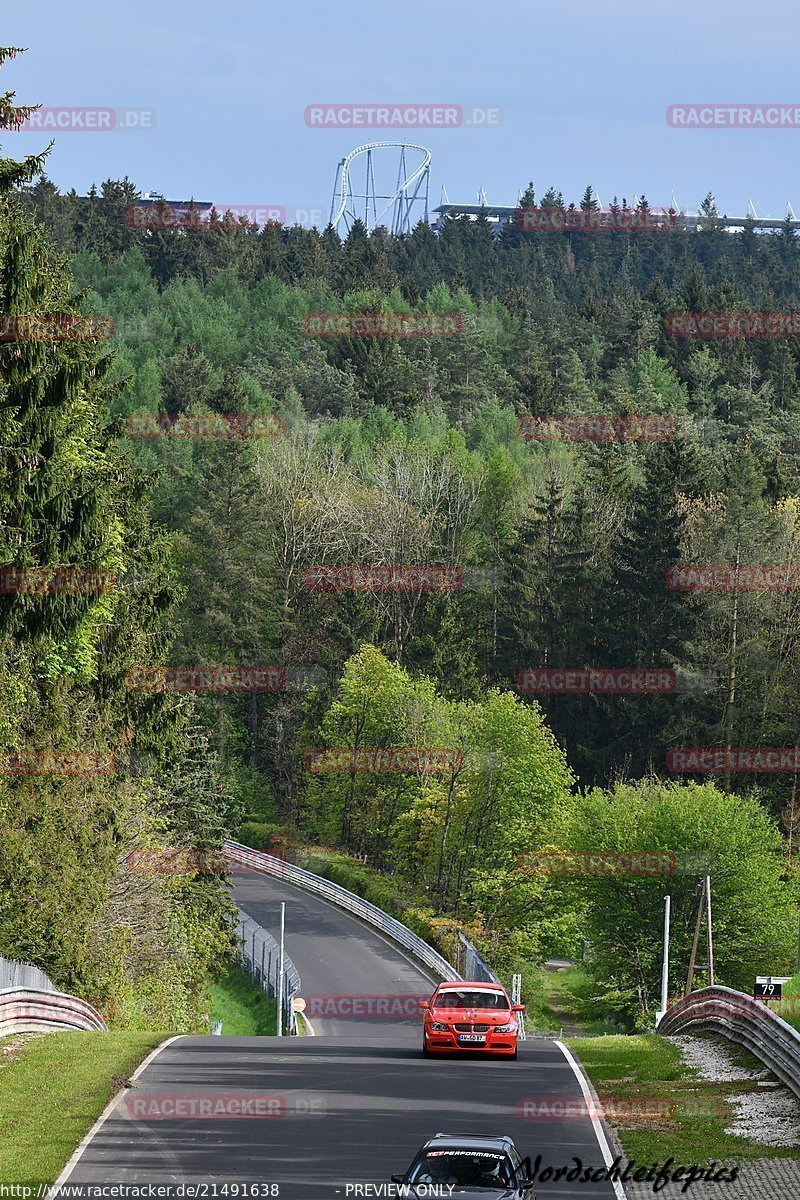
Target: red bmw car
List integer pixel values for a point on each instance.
(470, 1016)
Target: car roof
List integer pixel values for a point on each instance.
(470, 1142)
(472, 984)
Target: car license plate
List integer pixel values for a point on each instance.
(477, 1039)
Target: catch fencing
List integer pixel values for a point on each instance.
(471, 964)
(15, 974)
(742, 1020)
(261, 956)
(474, 966)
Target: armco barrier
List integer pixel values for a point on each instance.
(29, 1010)
(257, 860)
(743, 1020)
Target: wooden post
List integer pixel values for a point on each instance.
(693, 958)
(708, 932)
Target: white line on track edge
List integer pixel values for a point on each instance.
(602, 1140)
(310, 1030)
(107, 1111)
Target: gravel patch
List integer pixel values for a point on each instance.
(10, 1046)
(712, 1058)
(771, 1117)
(768, 1114)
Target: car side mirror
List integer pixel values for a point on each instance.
(423, 1004)
(397, 1178)
(518, 1008)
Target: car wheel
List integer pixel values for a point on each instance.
(425, 1051)
(516, 1053)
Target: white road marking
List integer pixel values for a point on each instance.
(602, 1140)
(107, 1111)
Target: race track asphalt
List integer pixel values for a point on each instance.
(341, 1110)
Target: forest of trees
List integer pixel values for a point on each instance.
(399, 452)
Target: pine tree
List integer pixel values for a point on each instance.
(69, 501)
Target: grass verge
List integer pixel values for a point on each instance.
(53, 1086)
(245, 1011)
(567, 1001)
(661, 1108)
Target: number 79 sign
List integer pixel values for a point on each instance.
(769, 987)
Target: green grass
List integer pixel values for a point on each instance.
(647, 1067)
(245, 1011)
(567, 1001)
(52, 1088)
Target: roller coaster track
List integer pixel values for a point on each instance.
(400, 202)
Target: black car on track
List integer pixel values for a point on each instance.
(487, 1168)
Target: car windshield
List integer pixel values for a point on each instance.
(458, 998)
(464, 1168)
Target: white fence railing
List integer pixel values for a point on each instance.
(743, 1020)
(261, 956)
(268, 864)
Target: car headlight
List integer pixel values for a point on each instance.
(438, 1027)
(509, 1027)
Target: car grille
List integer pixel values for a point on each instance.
(471, 1028)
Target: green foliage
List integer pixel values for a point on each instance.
(69, 899)
(396, 452)
(698, 830)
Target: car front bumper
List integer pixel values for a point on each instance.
(496, 1043)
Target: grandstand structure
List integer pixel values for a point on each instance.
(503, 214)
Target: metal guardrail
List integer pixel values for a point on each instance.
(257, 860)
(261, 957)
(35, 1010)
(742, 1020)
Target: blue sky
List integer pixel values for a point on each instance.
(583, 89)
